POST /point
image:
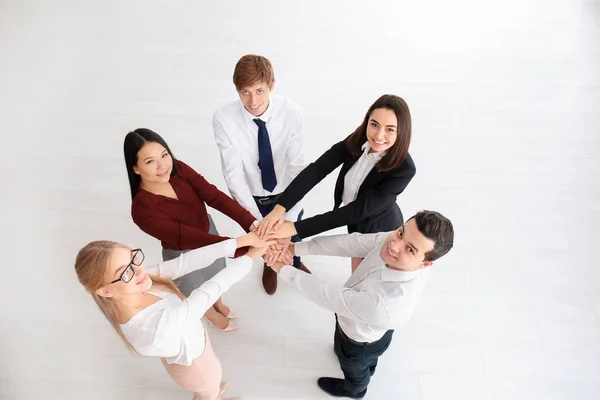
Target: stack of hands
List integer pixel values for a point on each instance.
(278, 232)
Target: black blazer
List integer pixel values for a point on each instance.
(375, 208)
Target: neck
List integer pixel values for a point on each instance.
(153, 187)
(402, 269)
(130, 301)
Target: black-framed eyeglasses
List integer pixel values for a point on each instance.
(128, 273)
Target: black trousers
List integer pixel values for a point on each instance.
(358, 360)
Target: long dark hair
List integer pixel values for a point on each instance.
(397, 153)
(134, 141)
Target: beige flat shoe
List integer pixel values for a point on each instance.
(222, 389)
(231, 326)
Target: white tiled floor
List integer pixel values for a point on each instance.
(505, 100)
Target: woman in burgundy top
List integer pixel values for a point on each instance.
(169, 203)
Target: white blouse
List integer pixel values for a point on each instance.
(358, 173)
(172, 328)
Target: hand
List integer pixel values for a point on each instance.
(282, 245)
(277, 266)
(292, 249)
(252, 240)
(272, 221)
(287, 230)
(276, 250)
(256, 252)
(271, 255)
(287, 258)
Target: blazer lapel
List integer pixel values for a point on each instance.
(339, 185)
(371, 180)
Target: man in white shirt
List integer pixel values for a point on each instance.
(380, 295)
(260, 140)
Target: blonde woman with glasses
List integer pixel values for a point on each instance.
(152, 317)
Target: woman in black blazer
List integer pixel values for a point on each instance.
(376, 168)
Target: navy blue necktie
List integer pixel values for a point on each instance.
(265, 157)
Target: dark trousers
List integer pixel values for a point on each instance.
(265, 209)
(358, 360)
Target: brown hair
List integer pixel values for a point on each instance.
(251, 69)
(397, 153)
(90, 266)
(439, 229)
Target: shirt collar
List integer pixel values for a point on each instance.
(393, 275)
(264, 117)
(377, 156)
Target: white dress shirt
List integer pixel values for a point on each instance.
(374, 299)
(172, 328)
(236, 134)
(358, 173)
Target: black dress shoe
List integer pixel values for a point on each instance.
(335, 387)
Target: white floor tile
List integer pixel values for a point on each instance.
(461, 388)
(453, 360)
(306, 353)
(17, 389)
(583, 338)
(386, 385)
(540, 364)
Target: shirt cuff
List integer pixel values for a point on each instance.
(231, 247)
(242, 261)
(291, 215)
(301, 248)
(286, 272)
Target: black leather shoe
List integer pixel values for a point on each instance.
(335, 387)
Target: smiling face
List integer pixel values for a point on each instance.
(382, 129)
(405, 248)
(154, 163)
(120, 264)
(256, 97)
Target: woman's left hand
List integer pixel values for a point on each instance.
(271, 222)
(286, 230)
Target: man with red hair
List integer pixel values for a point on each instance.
(260, 140)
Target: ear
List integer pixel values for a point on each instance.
(103, 292)
(426, 264)
(136, 169)
(272, 85)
